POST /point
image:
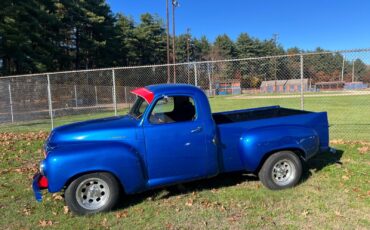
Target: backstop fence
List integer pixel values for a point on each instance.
(336, 82)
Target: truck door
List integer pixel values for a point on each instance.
(175, 141)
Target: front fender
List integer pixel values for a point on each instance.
(66, 162)
(256, 143)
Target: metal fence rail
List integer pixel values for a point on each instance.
(336, 82)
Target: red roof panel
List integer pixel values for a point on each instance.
(144, 93)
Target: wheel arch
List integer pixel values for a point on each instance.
(299, 152)
(76, 176)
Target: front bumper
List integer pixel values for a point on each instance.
(39, 182)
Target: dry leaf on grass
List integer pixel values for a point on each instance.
(337, 213)
(305, 213)
(363, 149)
(57, 196)
(122, 214)
(189, 202)
(45, 223)
(345, 177)
(65, 209)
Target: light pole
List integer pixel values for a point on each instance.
(174, 5)
(187, 51)
(168, 43)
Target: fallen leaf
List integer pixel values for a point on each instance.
(65, 209)
(305, 213)
(337, 213)
(26, 211)
(104, 222)
(45, 223)
(169, 226)
(363, 149)
(189, 202)
(345, 177)
(122, 214)
(57, 196)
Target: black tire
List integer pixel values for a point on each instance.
(92, 193)
(281, 170)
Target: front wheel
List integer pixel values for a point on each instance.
(281, 170)
(92, 193)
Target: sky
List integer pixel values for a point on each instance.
(307, 24)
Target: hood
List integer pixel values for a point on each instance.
(105, 129)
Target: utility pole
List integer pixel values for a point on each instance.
(168, 43)
(187, 51)
(174, 5)
(187, 45)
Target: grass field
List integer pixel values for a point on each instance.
(335, 192)
(349, 116)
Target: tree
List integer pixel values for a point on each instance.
(224, 48)
(151, 43)
(126, 41)
(202, 49)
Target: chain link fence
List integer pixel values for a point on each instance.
(336, 82)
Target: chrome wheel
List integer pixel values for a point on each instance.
(283, 172)
(92, 193)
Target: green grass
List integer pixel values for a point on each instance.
(349, 116)
(334, 194)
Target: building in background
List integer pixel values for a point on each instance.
(355, 85)
(284, 86)
(228, 87)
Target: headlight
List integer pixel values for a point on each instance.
(42, 167)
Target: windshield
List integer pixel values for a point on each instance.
(138, 108)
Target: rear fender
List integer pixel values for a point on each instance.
(65, 163)
(256, 143)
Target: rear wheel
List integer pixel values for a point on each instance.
(92, 193)
(281, 170)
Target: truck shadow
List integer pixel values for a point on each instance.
(314, 165)
(321, 161)
(220, 181)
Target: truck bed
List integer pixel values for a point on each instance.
(267, 126)
(254, 114)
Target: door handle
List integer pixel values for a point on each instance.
(196, 130)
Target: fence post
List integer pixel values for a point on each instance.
(50, 102)
(344, 59)
(195, 74)
(209, 79)
(76, 101)
(114, 93)
(11, 103)
(302, 84)
(125, 95)
(96, 96)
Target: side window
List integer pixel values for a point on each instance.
(173, 109)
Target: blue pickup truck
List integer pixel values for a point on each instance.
(170, 136)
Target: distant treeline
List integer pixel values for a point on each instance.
(56, 35)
